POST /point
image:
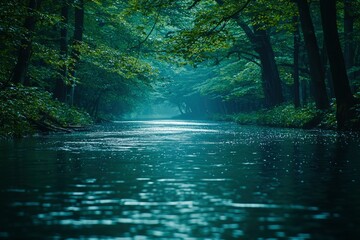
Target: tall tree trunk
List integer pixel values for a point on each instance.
(316, 68)
(304, 82)
(269, 68)
(348, 37)
(60, 86)
(24, 54)
(269, 71)
(304, 92)
(344, 98)
(296, 63)
(77, 40)
(96, 103)
(327, 72)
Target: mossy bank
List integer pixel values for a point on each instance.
(25, 111)
(288, 116)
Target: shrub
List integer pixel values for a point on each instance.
(21, 107)
(282, 116)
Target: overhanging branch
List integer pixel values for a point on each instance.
(148, 35)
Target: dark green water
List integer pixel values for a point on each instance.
(181, 180)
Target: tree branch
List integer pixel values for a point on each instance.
(194, 4)
(148, 35)
(227, 18)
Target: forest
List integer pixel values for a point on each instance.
(186, 119)
(286, 63)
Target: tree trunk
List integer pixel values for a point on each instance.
(316, 68)
(296, 63)
(269, 71)
(24, 54)
(344, 98)
(304, 92)
(95, 106)
(330, 83)
(327, 72)
(304, 83)
(180, 110)
(77, 40)
(348, 37)
(60, 86)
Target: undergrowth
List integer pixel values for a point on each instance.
(24, 109)
(286, 116)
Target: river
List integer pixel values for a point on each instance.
(167, 179)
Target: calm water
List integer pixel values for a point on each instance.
(181, 180)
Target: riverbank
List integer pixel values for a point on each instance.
(26, 111)
(287, 116)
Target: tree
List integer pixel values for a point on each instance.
(316, 66)
(344, 98)
(260, 40)
(60, 87)
(76, 45)
(55, 58)
(296, 63)
(349, 36)
(24, 53)
(269, 71)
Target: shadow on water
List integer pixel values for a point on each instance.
(181, 179)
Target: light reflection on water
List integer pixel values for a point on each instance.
(181, 179)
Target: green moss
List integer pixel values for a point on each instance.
(21, 107)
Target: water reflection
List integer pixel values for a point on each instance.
(179, 179)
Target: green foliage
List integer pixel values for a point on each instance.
(11, 33)
(21, 108)
(110, 74)
(282, 12)
(288, 116)
(112, 61)
(283, 116)
(129, 49)
(234, 80)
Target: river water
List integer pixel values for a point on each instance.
(181, 180)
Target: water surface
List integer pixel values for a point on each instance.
(181, 180)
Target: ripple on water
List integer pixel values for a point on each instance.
(185, 180)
